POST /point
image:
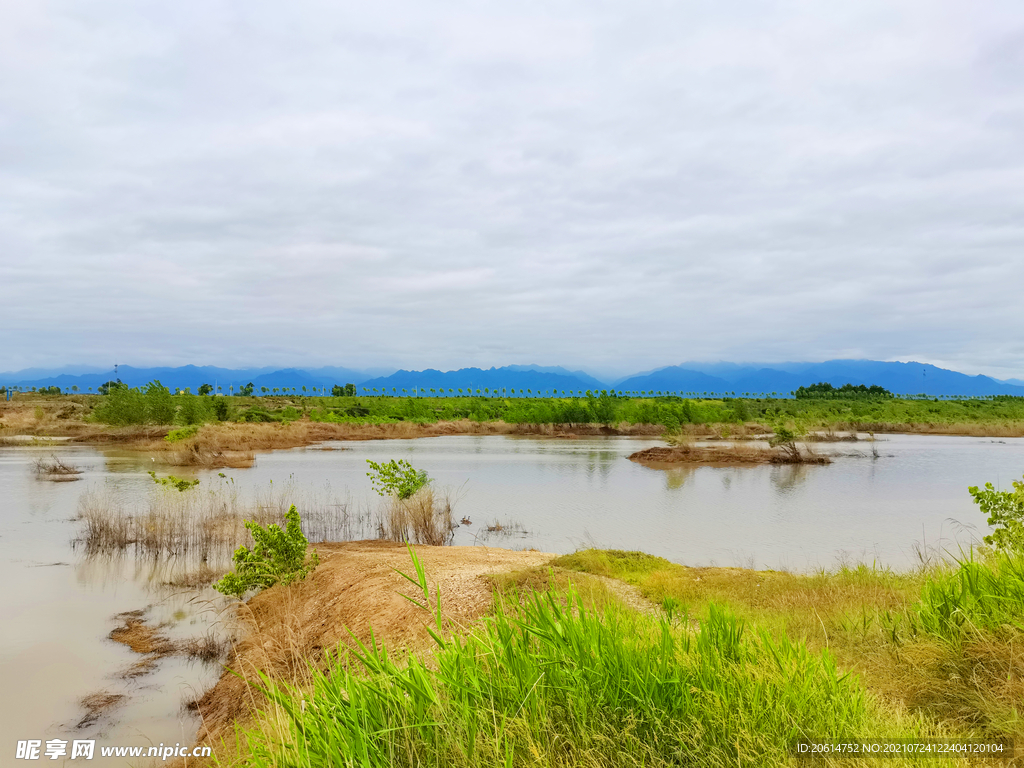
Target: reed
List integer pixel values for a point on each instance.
(208, 524)
(56, 470)
(424, 518)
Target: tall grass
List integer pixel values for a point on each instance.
(424, 518)
(973, 598)
(548, 681)
(208, 524)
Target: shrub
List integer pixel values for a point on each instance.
(179, 483)
(175, 435)
(396, 478)
(1005, 510)
(277, 556)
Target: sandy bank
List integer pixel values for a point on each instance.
(355, 588)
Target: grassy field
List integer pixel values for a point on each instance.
(135, 414)
(722, 667)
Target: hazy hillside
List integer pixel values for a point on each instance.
(691, 377)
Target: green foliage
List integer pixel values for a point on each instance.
(349, 390)
(258, 415)
(825, 390)
(176, 435)
(194, 409)
(1005, 511)
(123, 406)
(221, 411)
(548, 681)
(277, 556)
(396, 478)
(178, 483)
(159, 403)
(974, 597)
(205, 389)
(246, 390)
(782, 436)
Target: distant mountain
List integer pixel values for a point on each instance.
(191, 376)
(713, 378)
(899, 378)
(560, 371)
(507, 378)
(675, 379)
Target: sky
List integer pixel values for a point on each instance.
(606, 186)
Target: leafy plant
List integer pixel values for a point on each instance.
(176, 435)
(1005, 510)
(396, 478)
(277, 557)
(179, 483)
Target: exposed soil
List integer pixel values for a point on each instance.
(355, 587)
(661, 457)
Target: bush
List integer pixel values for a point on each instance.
(396, 478)
(1005, 510)
(176, 435)
(277, 556)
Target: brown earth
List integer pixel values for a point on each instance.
(733, 454)
(355, 587)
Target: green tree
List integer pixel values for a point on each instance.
(396, 478)
(160, 406)
(205, 389)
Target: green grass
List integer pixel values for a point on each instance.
(549, 680)
(945, 641)
(975, 598)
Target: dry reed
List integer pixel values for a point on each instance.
(56, 470)
(207, 525)
(425, 518)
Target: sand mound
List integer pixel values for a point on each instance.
(355, 588)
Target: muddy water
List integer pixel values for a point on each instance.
(552, 495)
(567, 494)
(58, 609)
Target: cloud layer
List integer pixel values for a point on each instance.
(610, 186)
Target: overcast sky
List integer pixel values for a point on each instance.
(612, 186)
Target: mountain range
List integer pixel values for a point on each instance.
(691, 377)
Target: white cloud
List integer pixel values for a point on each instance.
(616, 187)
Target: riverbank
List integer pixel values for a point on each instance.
(896, 674)
(294, 423)
(353, 596)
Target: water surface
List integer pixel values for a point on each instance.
(553, 495)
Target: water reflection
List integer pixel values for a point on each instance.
(786, 478)
(676, 477)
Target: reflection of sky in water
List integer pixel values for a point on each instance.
(552, 495)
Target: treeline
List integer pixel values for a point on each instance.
(825, 390)
(593, 409)
(154, 404)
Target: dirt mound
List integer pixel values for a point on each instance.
(357, 588)
(664, 456)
